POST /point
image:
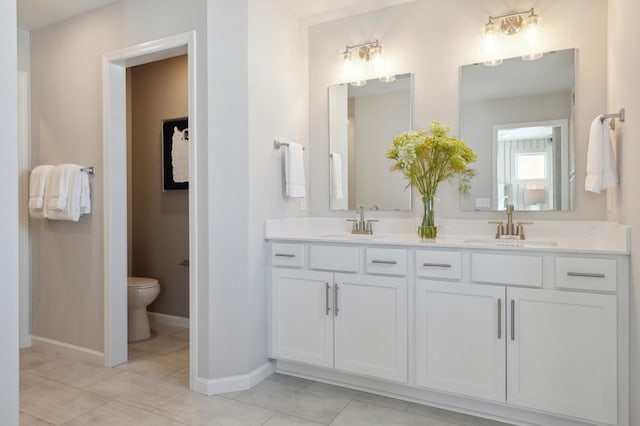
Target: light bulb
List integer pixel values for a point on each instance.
(490, 44)
(533, 38)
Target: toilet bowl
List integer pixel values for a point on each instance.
(140, 293)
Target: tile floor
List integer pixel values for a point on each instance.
(151, 390)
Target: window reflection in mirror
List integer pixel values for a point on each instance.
(362, 124)
(516, 116)
(529, 169)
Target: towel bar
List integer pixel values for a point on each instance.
(91, 170)
(278, 144)
(612, 123)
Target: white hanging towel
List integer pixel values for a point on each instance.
(37, 188)
(72, 209)
(336, 176)
(85, 193)
(601, 163)
(58, 186)
(294, 171)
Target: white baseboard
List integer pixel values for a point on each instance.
(168, 319)
(77, 352)
(234, 383)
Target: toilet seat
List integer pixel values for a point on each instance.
(141, 282)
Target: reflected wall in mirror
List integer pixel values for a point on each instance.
(362, 124)
(518, 118)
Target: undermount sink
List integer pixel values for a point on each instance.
(349, 236)
(508, 242)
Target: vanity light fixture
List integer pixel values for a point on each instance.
(363, 61)
(511, 24)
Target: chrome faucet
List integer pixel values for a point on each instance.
(362, 226)
(510, 230)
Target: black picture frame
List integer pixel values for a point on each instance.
(169, 126)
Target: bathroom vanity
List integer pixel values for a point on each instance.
(527, 332)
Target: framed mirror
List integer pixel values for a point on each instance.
(363, 121)
(518, 118)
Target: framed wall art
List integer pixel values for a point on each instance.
(175, 153)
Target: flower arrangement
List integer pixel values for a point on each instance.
(428, 158)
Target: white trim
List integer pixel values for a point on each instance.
(235, 383)
(77, 352)
(115, 194)
(24, 165)
(157, 317)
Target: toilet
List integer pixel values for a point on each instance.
(141, 292)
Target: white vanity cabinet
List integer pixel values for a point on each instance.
(528, 336)
(561, 353)
(460, 338)
(302, 316)
(353, 322)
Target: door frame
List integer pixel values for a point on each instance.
(114, 65)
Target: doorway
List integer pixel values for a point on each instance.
(116, 269)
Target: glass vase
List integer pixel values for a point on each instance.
(428, 228)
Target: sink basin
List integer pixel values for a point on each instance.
(507, 242)
(349, 236)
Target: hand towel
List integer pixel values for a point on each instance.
(72, 174)
(37, 188)
(601, 163)
(85, 193)
(336, 176)
(294, 171)
(58, 186)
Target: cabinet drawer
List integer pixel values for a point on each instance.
(334, 258)
(287, 255)
(386, 261)
(439, 264)
(507, 269)
(586, 273)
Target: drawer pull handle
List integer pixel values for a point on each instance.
(499, 319)
(284, 255)
(326, 299)
(335, 299)
(437, 265)
(513, 319)
(385, 262)
(585, 274)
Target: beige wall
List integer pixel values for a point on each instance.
(624, 86)
(432, 40)
(160, 220)
(66, 126)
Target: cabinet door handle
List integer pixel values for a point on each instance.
(284, 255)
(513, 319)
(335, 299)
(584, 274)
(385, 262)
(326, 299)
(499, 319)
(437, 265)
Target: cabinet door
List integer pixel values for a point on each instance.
(561, 353)
(371, 326)
(460, 338)
(302, 316)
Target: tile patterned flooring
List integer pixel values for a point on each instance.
(151, 390)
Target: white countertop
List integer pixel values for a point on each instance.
(546, 236)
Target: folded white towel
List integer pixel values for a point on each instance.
(37, 187)
(294, 171)
(58, 186)
(336, 176)
(72, 174)
(601, 163)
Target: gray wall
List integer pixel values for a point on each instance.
(624, 69)
(160, 220)
(9, 217)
